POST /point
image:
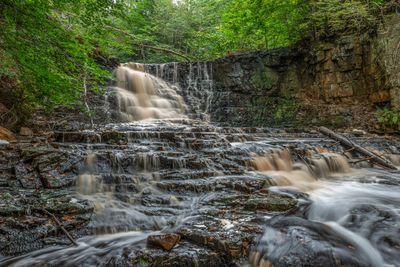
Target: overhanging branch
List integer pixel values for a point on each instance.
(132, 36)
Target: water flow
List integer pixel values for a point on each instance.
(167, 176)
(118, 209)
(198, 90)
(141, 96)
(352, 218)
(278, 165)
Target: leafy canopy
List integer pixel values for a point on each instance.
(51, 44)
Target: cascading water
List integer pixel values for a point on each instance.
(196, 87)
(344, 222)
(141, 96)
(225, 192)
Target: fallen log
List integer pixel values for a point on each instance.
(346, 142)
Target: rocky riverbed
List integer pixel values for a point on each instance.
(166, 193)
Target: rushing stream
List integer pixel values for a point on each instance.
(229, 190)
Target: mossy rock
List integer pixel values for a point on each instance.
(273, 204)
(69, 208)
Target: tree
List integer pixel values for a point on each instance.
(255, 24)
(51, 46)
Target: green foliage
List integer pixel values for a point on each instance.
(50, 45)
(389, 118)
(331, 17)
(255, 24)
(187, 26)
(275, 111)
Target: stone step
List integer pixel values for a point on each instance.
(242, 183)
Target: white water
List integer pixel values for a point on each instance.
(143, 96)
(355, 206)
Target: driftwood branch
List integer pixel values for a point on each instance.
(348, 150)
(361, 160)
(348, 143)
(132, 36)
(58, 223)
(306, 163)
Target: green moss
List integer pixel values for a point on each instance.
(276, 204)
(264, 78)
(11, 220)
(11, 209)
(275, 111)
(6, 197)
(70, 208)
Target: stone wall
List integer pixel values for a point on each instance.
(327, 82)
(386, 49)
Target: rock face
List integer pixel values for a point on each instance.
(344, 76)
(159, 194)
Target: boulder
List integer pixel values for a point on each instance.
(25, 131)
(7, 135)
(166, 242)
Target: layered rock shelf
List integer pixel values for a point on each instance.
(190, 188)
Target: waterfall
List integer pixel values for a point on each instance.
(141, 96)
(194, 81)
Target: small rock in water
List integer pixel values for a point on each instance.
(25, 131)
(226, 224)
(4, 142)
(166, 242)
(394, 150)
(358, 132)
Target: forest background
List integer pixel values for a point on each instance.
(50, 50)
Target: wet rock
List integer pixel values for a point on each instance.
(7, 135)
(4, 142)
(24, 131)
(271, 203)
(166, 242)
(185, 177)
(184, 254)
(358, 132)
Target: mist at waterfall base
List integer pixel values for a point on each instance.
(344, 217)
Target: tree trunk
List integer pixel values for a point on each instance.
(346, 142)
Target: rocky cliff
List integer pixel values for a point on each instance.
(335, 81)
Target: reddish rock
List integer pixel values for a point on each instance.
(380, 96)
(7, 134)
(166, 242)
(329, 66)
